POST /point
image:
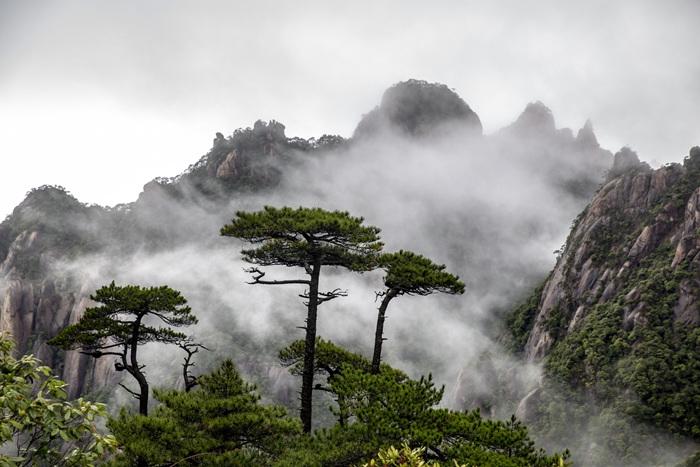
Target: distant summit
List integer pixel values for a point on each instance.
(586, 136)
(418, 108)
(626, 161)
(537, 119)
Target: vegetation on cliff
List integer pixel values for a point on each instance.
(619, 315)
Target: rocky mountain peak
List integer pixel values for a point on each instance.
(536, 118)
(586, 136)
(626, 160)
(418, 108)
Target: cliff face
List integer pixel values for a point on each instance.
(635, 214)
(50, 228)
(36, 304)
(618, 316)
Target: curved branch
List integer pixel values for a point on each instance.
(133, 393)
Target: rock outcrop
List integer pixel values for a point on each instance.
(418, 108)
(636, 213)
(34, 310)
(618, 317)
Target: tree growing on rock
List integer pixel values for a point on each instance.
(127, 318)
(308, 238)
(408, 273)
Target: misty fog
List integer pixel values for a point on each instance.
(492, 208)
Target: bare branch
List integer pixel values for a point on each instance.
(98, 354)
(326, 296)
(190, 348)
(258, 275)
(135, 394)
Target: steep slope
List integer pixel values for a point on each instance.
(51, 227)
(48, 226)
(617, 318)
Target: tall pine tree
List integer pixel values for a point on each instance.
(308, 238)
(127, 318)
(408, 273)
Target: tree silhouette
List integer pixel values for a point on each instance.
(120, 325)
(408, 273)
(309, 238)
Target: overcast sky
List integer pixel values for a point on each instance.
(102, 96)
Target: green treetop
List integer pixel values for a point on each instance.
(408, 273)
(390, 409)
(221, 422)
(122, 322)
(308, 238)
(329, 361)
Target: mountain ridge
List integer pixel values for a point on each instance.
(51, 227)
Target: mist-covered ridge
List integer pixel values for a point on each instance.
(492, 207)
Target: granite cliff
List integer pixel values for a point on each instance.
(616, 322)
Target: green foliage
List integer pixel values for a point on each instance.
(38, 423)
(309, 238)
(408, 273)
(608, 238)
(650, 371)
(122, 316)
(522, 319)
(329, 360)
(292, 237)
(413, 274)
(678, 194)
(598, 433)
(219, 423)
(392, 457)
(390, 409)
(121, 324)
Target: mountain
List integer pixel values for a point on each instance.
(617, 320)
(418, 165)
(419, 109)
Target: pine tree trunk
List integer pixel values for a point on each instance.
(379, 333)
(310, 349)
(136, 371)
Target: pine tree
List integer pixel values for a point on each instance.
(221, 422)
(329, 362)
(309, 238)
(408, 273)
(121, 324)
(390, 409)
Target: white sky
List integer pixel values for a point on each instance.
(102, 96)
